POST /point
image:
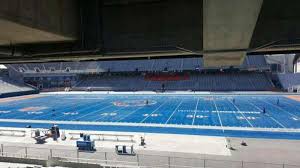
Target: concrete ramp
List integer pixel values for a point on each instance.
(228, 26)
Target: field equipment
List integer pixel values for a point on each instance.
(41, 135)
(55, 132)
(85, 143)
(63, 136)
(124, 150)
(40, 139)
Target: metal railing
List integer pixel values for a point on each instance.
(111, 159)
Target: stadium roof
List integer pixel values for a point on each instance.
(222, 32)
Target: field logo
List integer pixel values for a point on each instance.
(35, 112)
(5, 112)
(152, 115)
(109, 114)
(33, 109)
(70, 113)
(196, 116)
(134, 103)
(246, 118)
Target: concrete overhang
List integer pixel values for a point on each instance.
(228, 25)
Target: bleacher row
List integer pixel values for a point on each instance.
(289, 80)
(7, 86)
(153, 65)
(201, 82)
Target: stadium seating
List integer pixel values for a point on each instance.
(8, 86)
(153, 65)
(257, 61)
(136, 81)
(289, 80)
(53, 67)
(112, 83)
(201, 82)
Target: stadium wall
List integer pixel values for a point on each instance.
(12, 94)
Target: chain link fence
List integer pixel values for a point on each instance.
(138, 160)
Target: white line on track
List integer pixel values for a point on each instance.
(85, 108)
(21, 104)
(194, 116)
(218, 114)
(287, 102)
(270, 116)
(154, 111)
(280, 108)
(38, 103)
(277, 122)
(129, 114)
(174, 111)
(97, 119)
(71, 107)
(239, 111)
(93, 112)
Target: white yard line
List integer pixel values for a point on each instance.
(154, 111)
(194, 116)
(85, 108)
(58, 104)
(280, 109)
(238, 110)
(286, 102)
(277, 122)
(130, 113)
(218, 114)
(97, 119)
(17, 114)
(174, 112)
(93, 112)
(270, 116)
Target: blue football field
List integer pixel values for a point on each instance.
(258, 116)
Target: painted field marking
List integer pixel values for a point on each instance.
(122, 118)
(195, 111)
(154, 111)
(115, 111)
(238, 110)
(280, 109)
(231, 112)
(69, 109)
(93, 112)
(270, 116)
(85, 108)
(218, 115)
(174, 111)
(60, 105)
(15, 111)
(286, 102)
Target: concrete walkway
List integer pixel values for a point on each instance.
(183, 149)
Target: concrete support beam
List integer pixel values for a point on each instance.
(33, 21)
(228, 25)
(139, 25)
